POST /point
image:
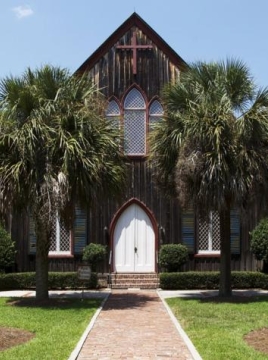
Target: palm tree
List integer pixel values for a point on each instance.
(56, 150)
(212, 147)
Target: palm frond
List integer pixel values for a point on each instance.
(223, 133)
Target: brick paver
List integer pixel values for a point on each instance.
(134, 325)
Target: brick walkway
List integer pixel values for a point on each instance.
(134, 325)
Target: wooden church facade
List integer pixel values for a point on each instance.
(131, 67)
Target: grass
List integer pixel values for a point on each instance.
(57, 329)
(217, 328)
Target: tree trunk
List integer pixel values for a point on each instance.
(225, 262)
(265, 267)
(42, 246)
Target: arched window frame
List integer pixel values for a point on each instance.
(114, 116)
(143, 111)
(147, 117)
(155, 116)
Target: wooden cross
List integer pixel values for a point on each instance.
(134, 47)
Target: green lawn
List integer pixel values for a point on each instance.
(217, 328)
(57, 329)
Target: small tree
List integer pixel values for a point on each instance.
(172, 256)
(212, 146)
(259, 242)
(94, 254)
(57, 149)
(7, 250)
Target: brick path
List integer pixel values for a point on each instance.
(134, 325)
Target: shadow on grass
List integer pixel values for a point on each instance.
(234, 299)
(54, 303)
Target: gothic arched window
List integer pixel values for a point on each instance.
(156, 112)
(138, 119)
(134, 124)
(113, 113)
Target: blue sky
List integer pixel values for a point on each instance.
(65, 32)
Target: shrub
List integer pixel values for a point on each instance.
(17, 281)
(94, 254)
(249, 280)
(7, 249)
(69, 280)
(172, 256)
(56, 280)
(259, 241)
(189, 280)
(210, 280)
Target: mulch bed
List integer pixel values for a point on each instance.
(10, 337)
(258, 339)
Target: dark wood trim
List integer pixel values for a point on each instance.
(134, 47)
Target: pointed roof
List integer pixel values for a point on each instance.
(133, 20)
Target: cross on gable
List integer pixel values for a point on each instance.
(134, 47)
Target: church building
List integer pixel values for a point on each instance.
(131, 68)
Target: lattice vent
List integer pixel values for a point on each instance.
(155, 114)
(156, 108)
(134, 100)
(112, 109)
(134, 128)
(209, 233)
(64, 238)
(53, 239)
(60, 238)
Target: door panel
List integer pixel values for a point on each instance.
(134, 241)
(145, 243)
(124, 242)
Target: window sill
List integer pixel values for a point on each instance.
(208, 255)
(59, 255)
(137, 157)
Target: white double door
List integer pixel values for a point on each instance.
(134, 241)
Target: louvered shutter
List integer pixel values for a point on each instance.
(235, 232)
(80, 230)
(188, 230)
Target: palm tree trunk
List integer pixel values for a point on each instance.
(225, 262)
(41, 263)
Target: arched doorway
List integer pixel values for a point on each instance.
(134, 240)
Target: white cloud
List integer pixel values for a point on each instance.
(22, 11)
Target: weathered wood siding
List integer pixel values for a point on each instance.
(167, 214)
(169, 218)
(114, 75)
